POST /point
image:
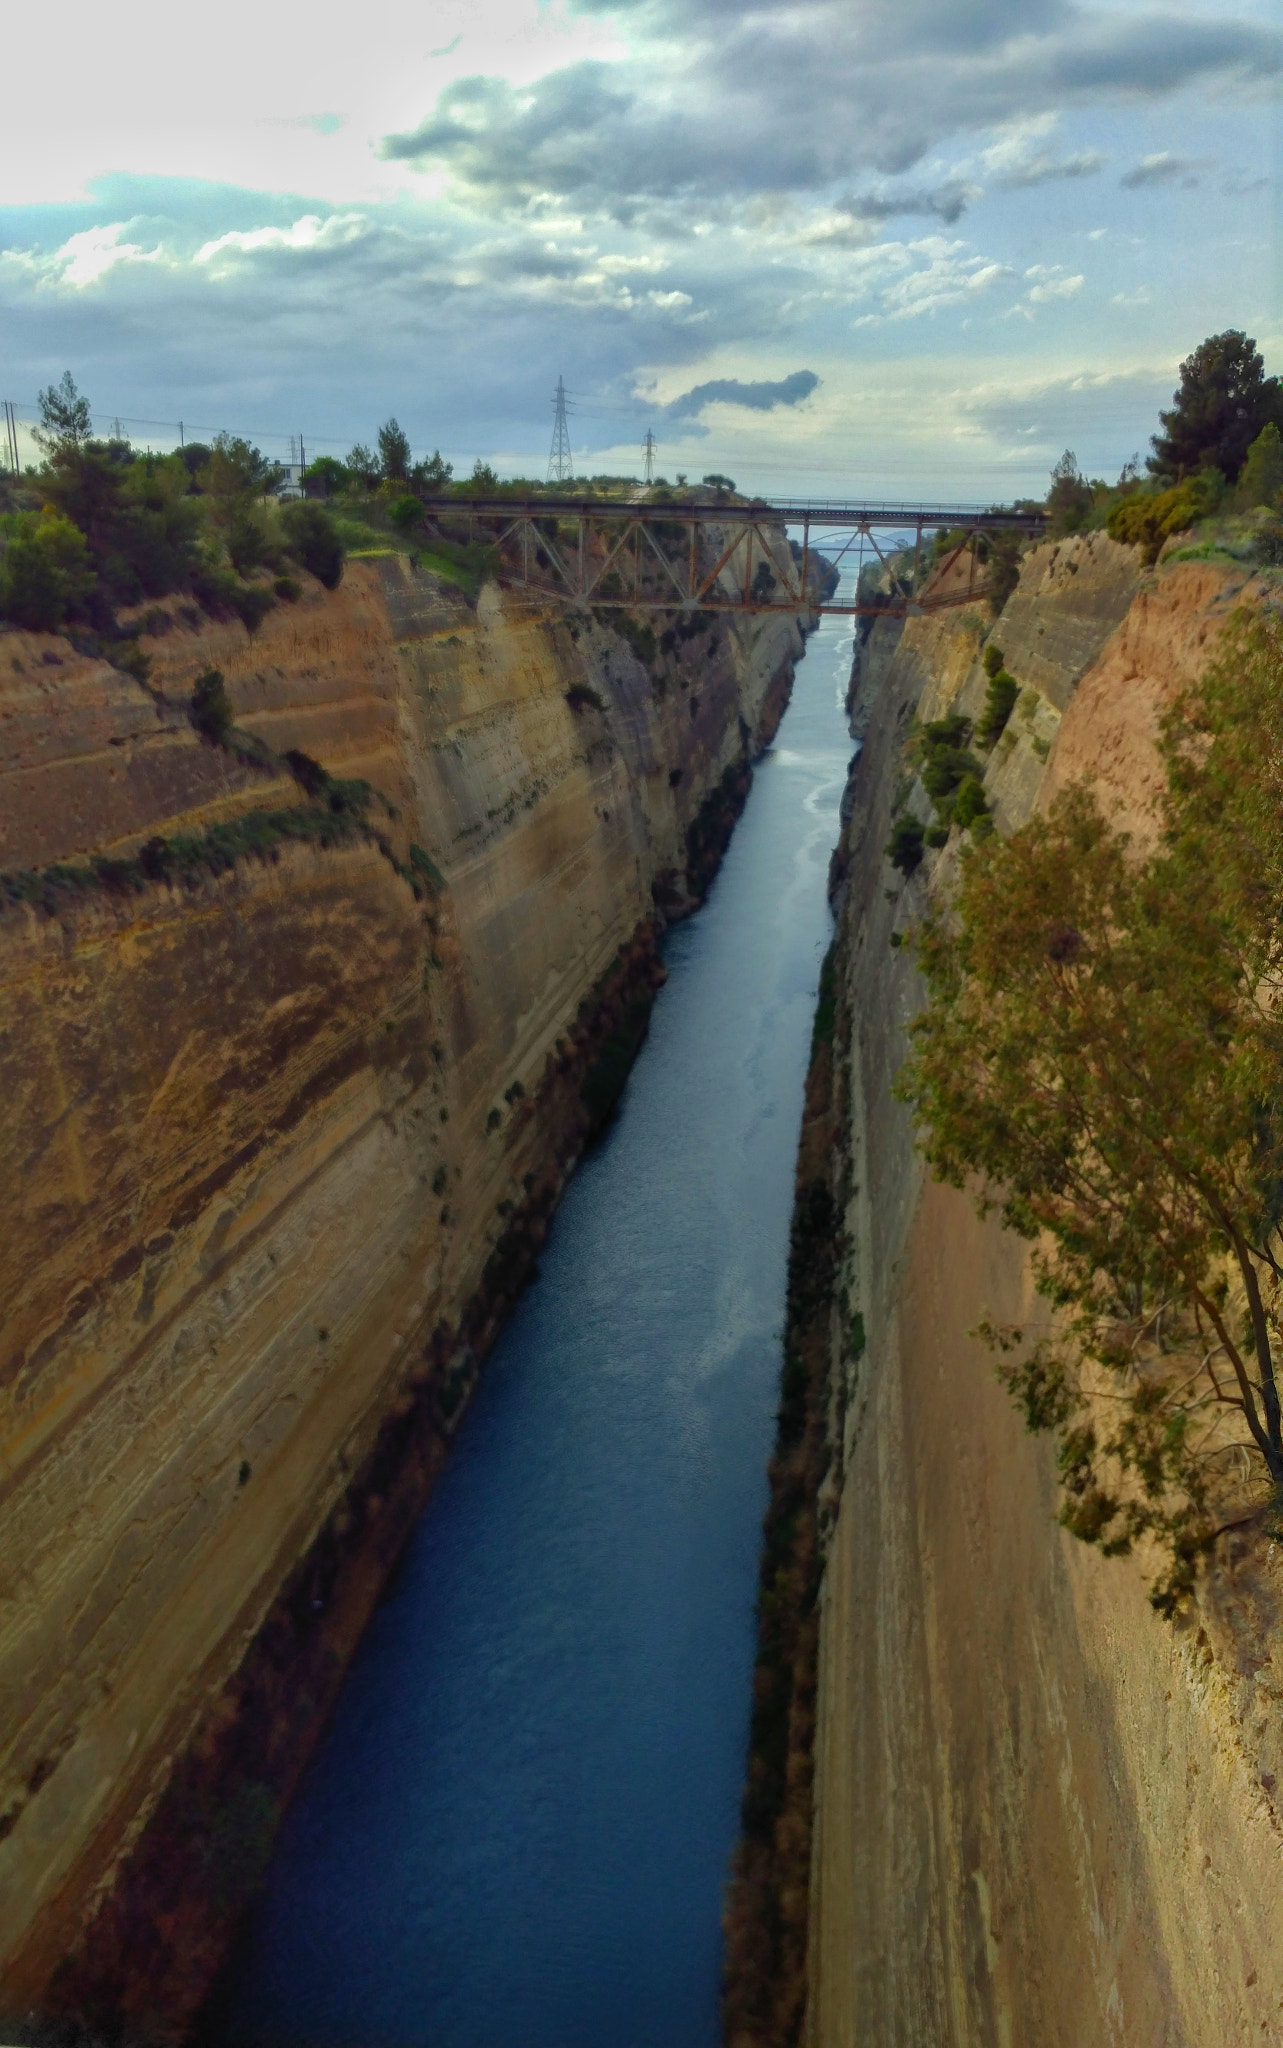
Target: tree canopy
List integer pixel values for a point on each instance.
(394, 452)
(1101, 1060)
(64, 417)
(1223, 402)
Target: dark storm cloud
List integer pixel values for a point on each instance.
(948, 202)
(736, 112)
(759, 397)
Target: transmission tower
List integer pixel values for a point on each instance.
(648, 450)
(560, 462)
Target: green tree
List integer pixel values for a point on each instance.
(1223, 402)
(45, 570)
(64, 417)
(237, 471)
(1261, 482)
(1102, 1058)
(313, 539)
(433, 474)
(332, 476)
(1069, 501)
(394, 453)
(483, 483)
(362, 464)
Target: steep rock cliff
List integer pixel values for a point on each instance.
(281, 1138)
(1041, 1813)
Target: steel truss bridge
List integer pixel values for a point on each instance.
(642, 555)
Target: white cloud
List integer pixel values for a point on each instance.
(87, 257)
(309, 233)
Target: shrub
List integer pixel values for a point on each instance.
(424, 865)
(247, 544)
(904, 847)
(1000, 701)
(45, 570)
(1146, 522)
(287, 588)
(992, 659)
(969, 805)
(1261, 482)
(211, 708)
(312, 538)
(405, 512)
(251, 604)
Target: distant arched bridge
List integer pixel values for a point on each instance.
(646, 555)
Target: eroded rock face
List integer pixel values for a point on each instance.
(279, 1147)
(1043, 1815)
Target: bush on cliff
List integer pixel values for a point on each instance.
(313, 540)
(45, 570)
(1146, 522)
(1102, 1054)
(904, 847)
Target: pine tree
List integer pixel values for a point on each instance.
(1224, 401)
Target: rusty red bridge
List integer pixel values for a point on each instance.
(725, 554)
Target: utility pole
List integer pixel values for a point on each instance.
(561, 467)
(11, 437)
(648, 450)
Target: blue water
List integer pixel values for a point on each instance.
(517, 1830)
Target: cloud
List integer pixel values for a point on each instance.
(756, 397)
(308, 235)
(1165, 169)
(734, 112)
(1019, 158)
(1048, 284)
(913, 280)
(86, 258)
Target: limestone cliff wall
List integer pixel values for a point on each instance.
(1042, 1814)
(279, 1146)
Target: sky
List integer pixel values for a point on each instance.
(906, 248)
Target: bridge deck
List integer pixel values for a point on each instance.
(777, 511)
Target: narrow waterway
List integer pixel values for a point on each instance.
(517, 1830)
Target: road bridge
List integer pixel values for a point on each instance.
(724, 554)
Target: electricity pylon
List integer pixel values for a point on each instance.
(648, 450)
(561, 466)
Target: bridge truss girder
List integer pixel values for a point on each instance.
(619, 541)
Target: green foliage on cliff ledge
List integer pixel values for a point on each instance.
(1101, 1057)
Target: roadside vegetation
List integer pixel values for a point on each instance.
(99, 528)
(1100, 1059)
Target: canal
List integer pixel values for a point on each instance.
(517, 1829)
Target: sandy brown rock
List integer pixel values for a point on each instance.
(1043, 1815)
(278, 1149)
